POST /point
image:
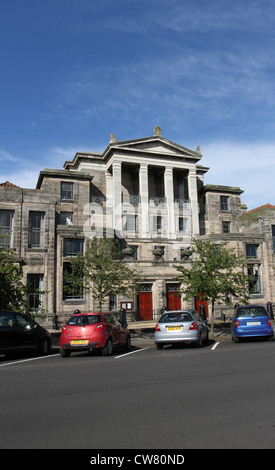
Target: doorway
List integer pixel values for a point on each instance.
(145, 303)
(173, 297)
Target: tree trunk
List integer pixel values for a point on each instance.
(212, 319)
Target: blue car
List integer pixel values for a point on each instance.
(251, 321)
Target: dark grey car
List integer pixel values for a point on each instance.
(180, 326)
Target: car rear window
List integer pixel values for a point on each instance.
(251, 312)
(175, 317)
(84, 319)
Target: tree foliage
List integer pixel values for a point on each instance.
(101, 271)
(217, 274)
(12, 289)
(14, 294)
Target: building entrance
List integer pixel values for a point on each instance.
(145, 303)
(173, 297)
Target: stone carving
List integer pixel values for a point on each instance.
(157, 131)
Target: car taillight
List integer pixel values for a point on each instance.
(236, 323)
(193, 326)
(64, 328)
(157, 328)
(100, 326)
(269, 322)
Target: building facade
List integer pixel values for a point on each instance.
(148, 192)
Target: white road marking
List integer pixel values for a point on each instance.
(214, 347)
(131, 352)
(27, 360)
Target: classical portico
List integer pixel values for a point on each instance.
(162, 177)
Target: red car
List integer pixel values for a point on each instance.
(91, 332)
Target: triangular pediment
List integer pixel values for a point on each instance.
(155, 148)
(156, 145)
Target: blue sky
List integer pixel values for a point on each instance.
(74, 71)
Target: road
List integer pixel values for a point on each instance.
(183, 398)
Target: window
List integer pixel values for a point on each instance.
(251, 250)
(157, 224)
(72, 246)
(72, 289)
(84, 320)
(36, 230)
(66, 191)
(66, 218)
(6, 320)
(182, 225)
(6, 228)
(226, 227)
(131, 223)
(113, 302)
(35, 286)
(254, 270)
(224, 200)
(23, 321)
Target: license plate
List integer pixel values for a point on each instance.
(253, 323)
(79, 341)
(174, 328)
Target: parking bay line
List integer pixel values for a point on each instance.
(27, 360)
(131, 352)
(215, 345)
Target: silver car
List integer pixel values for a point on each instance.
(176, 326)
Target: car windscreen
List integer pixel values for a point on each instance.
(175, 317)
(251, 312)
(80, 320)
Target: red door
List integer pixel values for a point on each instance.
(173, 300)
(145, 305)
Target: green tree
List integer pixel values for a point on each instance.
(14, 294)
(101, 271)
(12, 289)
(215, 274)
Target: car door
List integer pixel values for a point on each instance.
(26, 332)
(116, 331)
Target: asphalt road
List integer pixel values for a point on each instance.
(220, 396)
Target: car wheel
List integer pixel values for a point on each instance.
(65, 352)
(159, 345)
(235, 339)
(128, 343)
(108, 349)
(44, 347)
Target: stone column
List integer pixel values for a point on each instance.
(193, 196)
(117, 206)
(169, 194)
(144, 200)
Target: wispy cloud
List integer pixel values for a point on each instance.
(215, 83)
(184, 16)
(248, 166)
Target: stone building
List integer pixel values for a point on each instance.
(150, 193)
